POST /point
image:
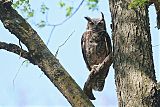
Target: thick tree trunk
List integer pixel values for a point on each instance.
(133, 61)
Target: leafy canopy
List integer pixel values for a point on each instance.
(28, 12)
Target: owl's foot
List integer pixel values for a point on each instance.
(94, 70)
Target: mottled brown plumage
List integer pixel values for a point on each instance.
(96, 46)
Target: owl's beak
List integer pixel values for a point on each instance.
(88, 19)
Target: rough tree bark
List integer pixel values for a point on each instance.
(39, 54)
(133, 61)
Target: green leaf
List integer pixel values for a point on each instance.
(69, 10)
(41, 24)
(44, 8)
(31, 14)
(92, 4)
(96, 1)
(137, 3)
(61, 4)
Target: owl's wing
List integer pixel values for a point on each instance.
(83, 46)
(108, 43)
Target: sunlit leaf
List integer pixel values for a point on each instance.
(44, 8)
(61, 4)
(92, 4)
(41, 24)
(69, 10)
(137, 3)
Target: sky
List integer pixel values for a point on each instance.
(24, 85)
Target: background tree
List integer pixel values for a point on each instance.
(36, 58)
(133, 60)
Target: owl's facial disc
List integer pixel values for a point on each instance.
(95, 24)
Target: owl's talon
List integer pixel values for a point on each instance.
(95, 69)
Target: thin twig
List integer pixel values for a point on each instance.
(156, 45)
(63, 43)
(50, 35)
(17, 73)
(71, 14)
(62, 22)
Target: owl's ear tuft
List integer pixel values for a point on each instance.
(88, 19)
(102, 16)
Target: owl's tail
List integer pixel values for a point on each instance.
(88, 91)
(99, 81)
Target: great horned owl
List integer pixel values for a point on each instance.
(96, 46)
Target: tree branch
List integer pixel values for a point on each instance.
(63, 43)
(95, 71)
(42, 57)
(15, 49)
(70, 15)
(157, 7)
(62, 22)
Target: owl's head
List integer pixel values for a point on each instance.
(96, 24)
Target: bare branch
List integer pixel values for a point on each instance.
(50, 35)
(15, 49)
(63, 43)
(156, 45)
(55, 25)
(18, 73)
(157, 7)
(69, 16)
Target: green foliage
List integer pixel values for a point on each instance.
(92, 4)
(30, 14)
(137, 3)
(61, 4)
(41, 24)
(69, 10)
(18, 3)
(25, 7)
(44, 8)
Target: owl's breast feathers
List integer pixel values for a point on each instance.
(95, 47)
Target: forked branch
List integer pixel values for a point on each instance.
(15, 49)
